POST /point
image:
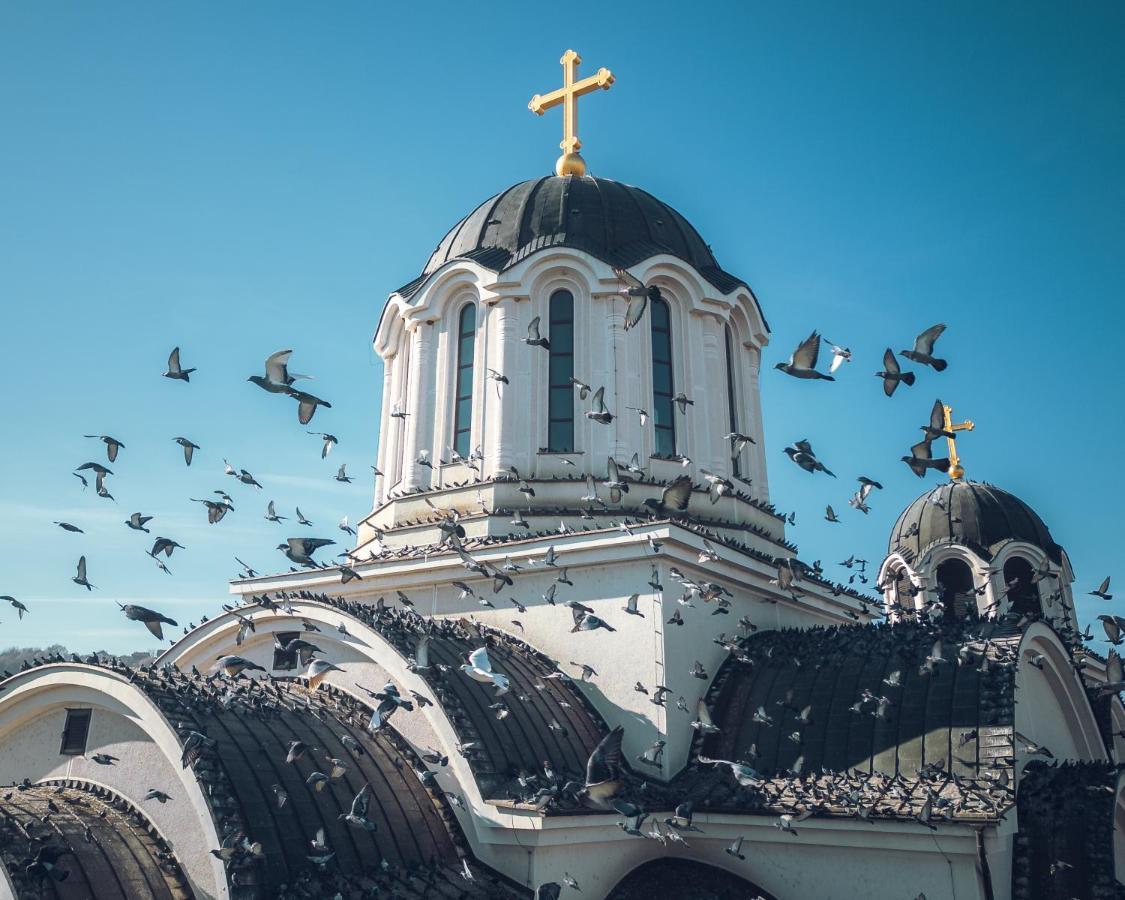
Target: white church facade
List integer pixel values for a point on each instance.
(685, 708)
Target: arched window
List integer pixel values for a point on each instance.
(560, 396)
(955, 590)
(663, 409)
(1022, 594)
(904, 591)
(466, 351)
(732, 400)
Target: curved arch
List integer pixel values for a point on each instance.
(1052, 681)
(34, 695)
(953, 579)
(674, 877)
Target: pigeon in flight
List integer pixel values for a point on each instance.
(330, 441)
(66, 526)
(830, 514)
(675, 496)
(215, 509)
(634, 287)
(1103, 590)
(533, 338)
(137, 522)
(307, 405)
(802, 454)
(189, 448)
(923, 351)
(892, 374)
(936, 428)
(301, 520)
(802, 364)
(583, 388)
(921, 458)
(271, 513)
(277, 379)
(603, 772)
(80, 576)
(175, 370)
(16, 605)
(738, 442)
(242, 475)
(166, 546)
(300, 550)
(479, 668)
(112, 445)
(342, 474)
(600, 413)
(840, 355)
(357, 814)
(152, 620)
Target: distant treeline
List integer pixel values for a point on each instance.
(11, 658)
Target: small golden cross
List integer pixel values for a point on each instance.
(956, 471)
(571, 163)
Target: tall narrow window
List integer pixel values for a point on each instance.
(560, 399)
(732, 401)
(1023, 595)
(75, 732)
(663, 409)
(466, 349)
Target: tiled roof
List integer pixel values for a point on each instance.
(617, 223)
(107, 849)
(913, 725)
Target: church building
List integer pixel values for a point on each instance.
(573, 653)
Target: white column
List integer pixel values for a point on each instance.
(709, 393)
(753, 409)
(420, 406)
(501, 428)
(385, 427)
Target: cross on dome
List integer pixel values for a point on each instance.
(571, 163)
(956, 471)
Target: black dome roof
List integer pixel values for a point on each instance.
(980, 516)
(617, 223)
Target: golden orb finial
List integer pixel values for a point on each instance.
(571, 163)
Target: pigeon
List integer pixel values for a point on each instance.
(318, 670)
(634, 287)
(802, 454)
(921, 458)
(533, 339)
(301, 520)
(830, 514)
(357, 814)
(600, 413)
(241, 475)
(802, 364)
(858, 500)
(735, 849)
(682, 402)
(630, 606)
(1102, 590)
(330, 441)
(738, 442)
(583, 388)
(175, 370)
(342, 474)
(80, 577)
(158, 796)
(112, 445)
(233, 666)
(277, 379)
(137, 522)
(603, 772)
(164, 545)
(271, 513)
(892, 374)
(215, 509)
(16, 605)
(479, 668)
(840, 355)
(923, 351)
(66, 526)
(189, 448)
(300, 550)
(674, 496)
(151, 619)
(307, 405)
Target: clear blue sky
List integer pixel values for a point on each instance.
(238, 178)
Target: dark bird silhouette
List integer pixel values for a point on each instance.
(923, 351)
(892, 374)
(175, 370)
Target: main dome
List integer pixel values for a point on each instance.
(980, 516)
(614, 222)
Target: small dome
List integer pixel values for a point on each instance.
(617, 223)
(980, 516)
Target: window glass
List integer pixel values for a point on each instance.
(560, 392)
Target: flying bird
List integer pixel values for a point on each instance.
(1103, 590)
(923, 351)
(802, 364)
(342, 474)
(600, 413)
(112, 445)
(300, 550)
(533, 338)
(80, 576)
(16, 605)
(189, 448)
(330, 441)
(175, 370)
(151, 619)
(840, 355)
(633, 287)
(137, 522)
(479, 668)
(802, 454)
(921, 458)
(66, 526)
(892, 374)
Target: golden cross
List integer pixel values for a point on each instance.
(571, 163)
(956, 471)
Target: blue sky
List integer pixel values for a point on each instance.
(240, 178)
